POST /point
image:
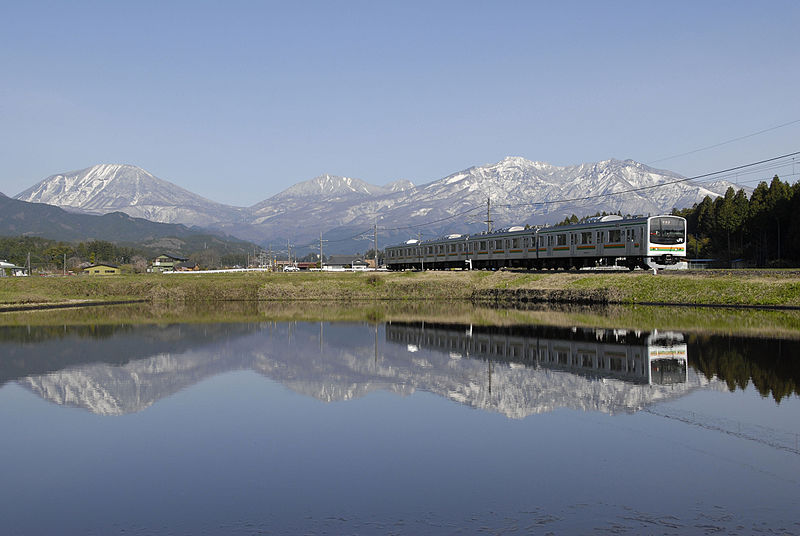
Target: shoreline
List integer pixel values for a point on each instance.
(764, 290)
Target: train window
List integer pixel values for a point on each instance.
(572, 239)
(515, 243)
(483, 245)
(599, 237)
(498, 244)
(586, 237)
(452, 248)
(441, 250)
(561, 240)
(615, 235)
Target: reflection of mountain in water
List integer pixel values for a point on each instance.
(515, 371)
(115, 369)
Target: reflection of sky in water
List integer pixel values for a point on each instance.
(239, 447)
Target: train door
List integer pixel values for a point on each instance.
(629, 234)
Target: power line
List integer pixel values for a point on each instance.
(652, 186)
(724, 142)
(771, 161)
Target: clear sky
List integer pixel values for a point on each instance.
(238, 100)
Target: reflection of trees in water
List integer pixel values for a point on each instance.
(25, 334)
(770, 364)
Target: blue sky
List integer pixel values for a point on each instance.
(238, 100)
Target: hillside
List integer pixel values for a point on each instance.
(19, 218)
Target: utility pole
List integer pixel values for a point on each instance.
(320, 249)
(421, 252)
(65, 264)
(488, 214)
(376, 244)
(288, 252)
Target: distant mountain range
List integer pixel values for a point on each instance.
(521, 191)
(20, 218)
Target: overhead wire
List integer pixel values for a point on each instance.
(724, 142)
(767, 164)
(652, 186)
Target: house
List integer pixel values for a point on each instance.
(102, 268)
(166, 263)
(15, 270)
(345, 262)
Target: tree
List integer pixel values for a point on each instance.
(139, 264)
(705, 217)
(777, 202)
(370, 254)
(756, 222)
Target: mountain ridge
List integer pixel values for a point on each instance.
(105, 188)
(522, 192)
(20, 218)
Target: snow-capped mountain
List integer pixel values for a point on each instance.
(536, 192)
(333, 188)
(108, 188)
(521, 191)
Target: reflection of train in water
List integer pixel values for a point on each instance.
(651, 242)
(644, 358)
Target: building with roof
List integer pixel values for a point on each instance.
(166, 263)
(102, 268)
(345, 262)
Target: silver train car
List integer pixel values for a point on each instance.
(645, 242)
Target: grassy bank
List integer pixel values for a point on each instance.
(776, 288)
(742, 322)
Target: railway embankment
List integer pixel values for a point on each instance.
(752, 288)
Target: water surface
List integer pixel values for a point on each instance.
(404, 426)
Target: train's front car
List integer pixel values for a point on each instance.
(666, 242)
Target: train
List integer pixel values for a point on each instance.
(654, 358)
(647, 242)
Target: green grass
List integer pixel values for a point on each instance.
(745, 322)
(725, 288)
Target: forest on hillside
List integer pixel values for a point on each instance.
(762, 230)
